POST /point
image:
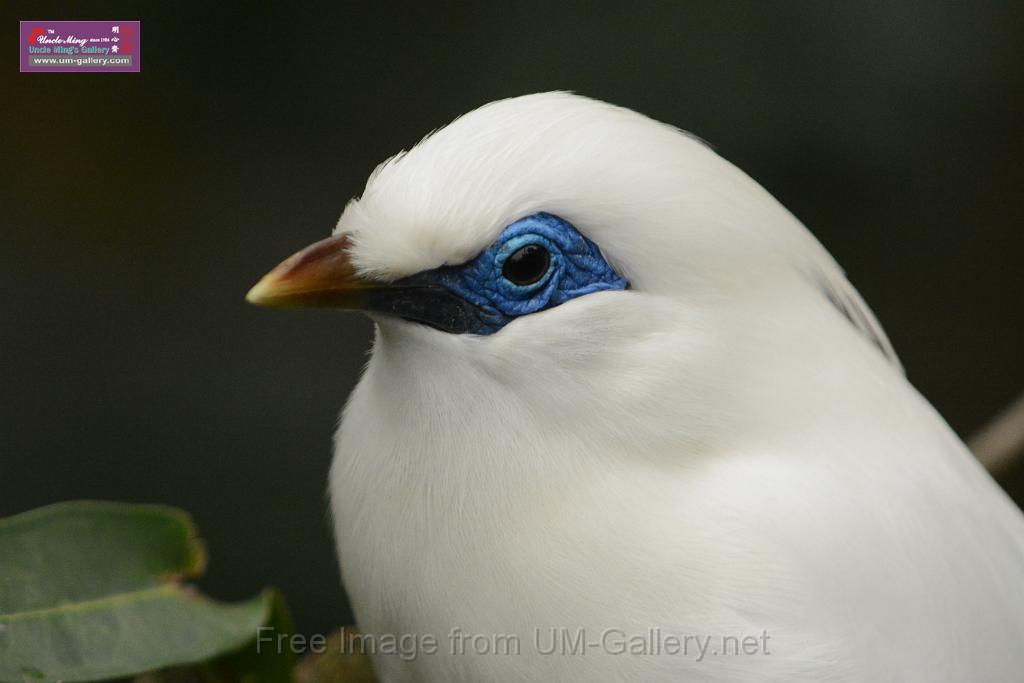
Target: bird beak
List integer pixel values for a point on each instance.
(319, 276)
(322, 276)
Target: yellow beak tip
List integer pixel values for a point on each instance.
(259, 295)
(319, 276)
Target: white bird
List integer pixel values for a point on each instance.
(618, 390)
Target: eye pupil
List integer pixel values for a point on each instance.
(527, 265)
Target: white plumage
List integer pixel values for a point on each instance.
(728, 448)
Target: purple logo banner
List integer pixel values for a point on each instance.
(81, 46)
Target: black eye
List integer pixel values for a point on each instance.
(527, 265)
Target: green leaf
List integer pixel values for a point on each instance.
(249, 664)
(255, 664)
(93, 590)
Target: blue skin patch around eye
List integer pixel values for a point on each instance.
(575, 268)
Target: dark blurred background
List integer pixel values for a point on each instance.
(136, 210)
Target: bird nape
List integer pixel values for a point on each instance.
(621, 400)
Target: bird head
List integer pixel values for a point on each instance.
(551, 230)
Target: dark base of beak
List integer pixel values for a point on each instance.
(429, 305)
